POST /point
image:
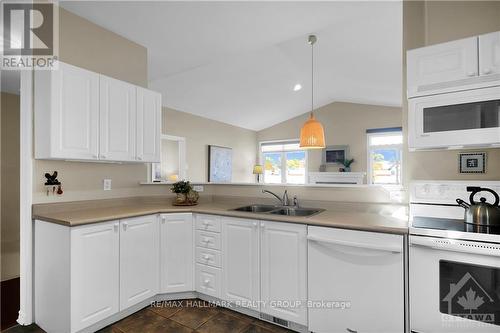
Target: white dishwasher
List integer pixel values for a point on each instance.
(355, 281)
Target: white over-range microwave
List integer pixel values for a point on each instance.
(454, 94)
(464, 119)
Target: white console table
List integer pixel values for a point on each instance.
(337, 177)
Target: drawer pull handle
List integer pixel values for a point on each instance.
(125, 225)
(206, 257)
(115, 226)
(206, 240)
(206, 282)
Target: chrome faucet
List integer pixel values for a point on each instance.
(284, 200)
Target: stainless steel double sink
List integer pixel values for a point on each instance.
(280, 210)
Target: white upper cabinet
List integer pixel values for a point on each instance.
(148, 125)
(240, 253)
(66, 113)
(82, 115)
(176, 253)
(439, 67)
(283, 272)
(94, 273)
(489, 54)
(118, 111)
(139, 258)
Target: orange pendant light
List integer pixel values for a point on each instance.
(312, 134)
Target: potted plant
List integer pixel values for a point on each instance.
(347, 165)
(185, 193)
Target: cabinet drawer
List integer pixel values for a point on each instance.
(208, 223)
(208, 280)
(208, 257)
(209, 240)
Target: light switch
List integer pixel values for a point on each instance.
(106, 184)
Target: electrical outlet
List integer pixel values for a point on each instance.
(106, 184)
(198, 188)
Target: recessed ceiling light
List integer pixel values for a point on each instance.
(297, 87)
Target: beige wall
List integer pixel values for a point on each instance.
(10, 186)
(201, 132)
(86, 45)
(344, 124)
(431, 22)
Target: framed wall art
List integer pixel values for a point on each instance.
(220, 164)
(472, 162)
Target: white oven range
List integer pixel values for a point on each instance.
(454, 275)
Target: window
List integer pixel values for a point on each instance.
(284, 162)
(385, 148)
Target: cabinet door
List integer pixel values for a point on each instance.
(148, 125)
(139, 258)
(284, 271)
(441, 66)
(94, 273)
(74, 113)
(240, 264)
(176, 255)
(117, 120)
(489, 54)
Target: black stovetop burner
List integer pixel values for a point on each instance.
(452, 225)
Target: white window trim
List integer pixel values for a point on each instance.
(182, 157)
(369, 148)
(283, 174)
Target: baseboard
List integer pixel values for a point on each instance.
(9, 307)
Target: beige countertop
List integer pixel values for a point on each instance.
(77, 214)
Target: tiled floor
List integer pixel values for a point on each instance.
(190, 316)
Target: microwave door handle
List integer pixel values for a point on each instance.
(452, 245)
(385, 248)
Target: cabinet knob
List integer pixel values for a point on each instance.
(103, 156)
(487, 71)
(254, 224)
(206, 282)
(471, 74)
(163, 220)
(262, 225)
(115, 227)
(206, 257)
(205, 223)
(206, 240)
(95, 156)
(139, 158)
(125, 225)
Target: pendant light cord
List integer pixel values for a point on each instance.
(312, 78)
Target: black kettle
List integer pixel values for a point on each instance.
(481, 217)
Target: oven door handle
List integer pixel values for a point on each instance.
(456, 245)
(385, 248)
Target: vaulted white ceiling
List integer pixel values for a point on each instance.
(237, 62)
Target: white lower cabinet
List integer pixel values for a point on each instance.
(283, 271)
(94, 273)
(355, 281)
(139, 251)
(176, 253)
(208, 271)
(240, 262)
